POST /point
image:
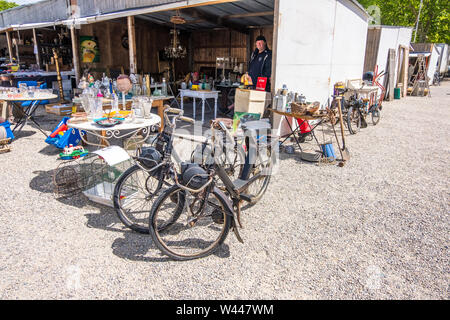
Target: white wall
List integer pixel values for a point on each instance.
(320, 42)
(349, 44)
(391, 38)
(443, 58)
(432, 65)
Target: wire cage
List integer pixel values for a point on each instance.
(67, 179)
(99, 172)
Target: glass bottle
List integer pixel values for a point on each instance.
(164, 87)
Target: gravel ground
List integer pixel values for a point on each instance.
(375, 229)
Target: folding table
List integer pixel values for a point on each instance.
(305, 118)
(29, 110)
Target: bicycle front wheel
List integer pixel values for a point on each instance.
(376, 115)
(196, 232)
(133, 197)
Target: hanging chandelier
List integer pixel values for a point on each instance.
(175, 50)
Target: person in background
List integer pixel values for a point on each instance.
(260, 64)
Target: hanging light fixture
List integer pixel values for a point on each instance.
(175, 50)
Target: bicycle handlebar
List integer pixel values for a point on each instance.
(190, 120)
(168, 109)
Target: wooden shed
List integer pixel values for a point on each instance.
(314, 43)
(382, 39)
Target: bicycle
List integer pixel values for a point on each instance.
(142, 183)
(357, 112)
(204, 213)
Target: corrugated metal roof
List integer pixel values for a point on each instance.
(239, 15)
(43, 11)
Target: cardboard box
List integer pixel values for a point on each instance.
(60, 110)
(251, 101)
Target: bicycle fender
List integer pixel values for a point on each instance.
(230, 212)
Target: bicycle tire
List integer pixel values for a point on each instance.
(173, 248)
(376, 115)
(257, 190)
(353, 120)
(130, 186)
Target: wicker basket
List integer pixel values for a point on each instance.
(4, 145)
(298, 108)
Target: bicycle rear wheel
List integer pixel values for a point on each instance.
(190, 236)
(133, 197)
(376, 115)
(353, 120)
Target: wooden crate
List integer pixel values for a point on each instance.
(60, 110)
(251, 101)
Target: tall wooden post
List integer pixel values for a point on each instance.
(8, 39)
(132, 44)
(75, 53)
(16, 41)
(391, 77)
(36, 49)
(405, 72)
(58, 77)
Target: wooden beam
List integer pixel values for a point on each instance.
(391, 61)
(8, 40)
(248, 15)
(276, 24)
(405, 71)
(36, 49)
(75, 53)
(108, 53)
(275, 118)
(234, 16)
(132, 44)
(198, 13)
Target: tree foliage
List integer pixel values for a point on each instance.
(434, 24)
(7, 5)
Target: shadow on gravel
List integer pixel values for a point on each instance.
(50, 151)
(43, 181)
(136, 247)
(24, 134)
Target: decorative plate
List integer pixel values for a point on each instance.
(108, 122)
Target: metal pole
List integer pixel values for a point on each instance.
(418, 20)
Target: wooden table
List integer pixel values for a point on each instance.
(200, 94)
